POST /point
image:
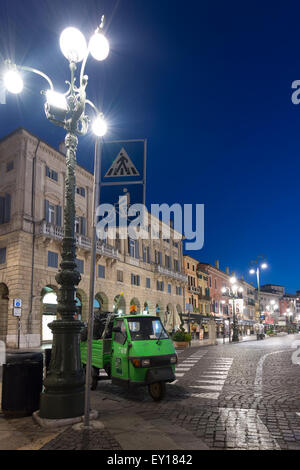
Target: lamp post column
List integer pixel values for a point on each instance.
(63, 396)
(235, 335)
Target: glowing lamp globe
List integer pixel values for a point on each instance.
(73, 44)
(99, 127)
(99, 46)
(13, 81)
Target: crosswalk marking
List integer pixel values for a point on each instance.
(211, 396)
(217, 388)
(188, 363)
(219, 381)
(213, 379)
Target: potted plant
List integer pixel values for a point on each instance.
(181, 339)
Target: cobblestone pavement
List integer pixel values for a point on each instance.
(72, 439)
(233, 396)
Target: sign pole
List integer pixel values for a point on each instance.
(88, 370)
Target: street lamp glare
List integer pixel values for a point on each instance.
(100, 127)
(223, 290)
(252, 271)
(264, 266)
(99, 46)
(13, 81)
(233, 280)
(241, 289)
(73, 44)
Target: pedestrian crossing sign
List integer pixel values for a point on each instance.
(123, 171)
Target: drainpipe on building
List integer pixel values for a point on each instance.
(29, 320)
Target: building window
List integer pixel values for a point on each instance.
(169, 289)
(135, 280)
(215, 283)
(119, 276)
(101, 271)
(146, 254)
(80, 226)
(2, 255)
(133, 248)
(188, 265)
(80, 190)
(51, 174)
(52, 259)
(160, 285)
(209, 281)
(5, 205)
(80, 265)
(157, 257)
(9, 166)
(176, 265)
(53, 214)
(148, 282)
(178, 290)
(167, 261)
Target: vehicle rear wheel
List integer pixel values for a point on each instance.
(95, 374)
(157, 390)
(107, 369)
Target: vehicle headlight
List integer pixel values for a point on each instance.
(136, 362)
(173, 360)
(145, 362)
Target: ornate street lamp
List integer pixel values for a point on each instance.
(233, 293)
(63, 395)
(259, 264)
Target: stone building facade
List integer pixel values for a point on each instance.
(149, 274)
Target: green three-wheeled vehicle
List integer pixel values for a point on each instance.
(133, 350)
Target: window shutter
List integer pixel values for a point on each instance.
(137, 250)
(2, 206)
(47, 211)
(83, 226)
(58, 216)
(7, 208)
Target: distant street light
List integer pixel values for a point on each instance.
(233, 293)
(63, 396)
(259, 266)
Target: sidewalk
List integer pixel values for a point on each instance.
(116, 429)
(197, 343)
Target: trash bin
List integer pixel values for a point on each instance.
(22, 383)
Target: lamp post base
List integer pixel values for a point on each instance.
(63, 396)
(62, 406)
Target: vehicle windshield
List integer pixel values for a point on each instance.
(146, 328)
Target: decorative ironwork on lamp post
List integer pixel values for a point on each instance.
(233, 293)
(63, 395)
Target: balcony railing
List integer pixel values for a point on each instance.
(170, 273)
(194, 290)
(53, 231)
(204, 297)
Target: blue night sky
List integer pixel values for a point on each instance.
(209, 85)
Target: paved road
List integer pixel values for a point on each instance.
(232, 396)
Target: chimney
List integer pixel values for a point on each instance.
(217, 264)
(62, 148)
(227, 270)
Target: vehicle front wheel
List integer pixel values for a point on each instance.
(157, 390)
